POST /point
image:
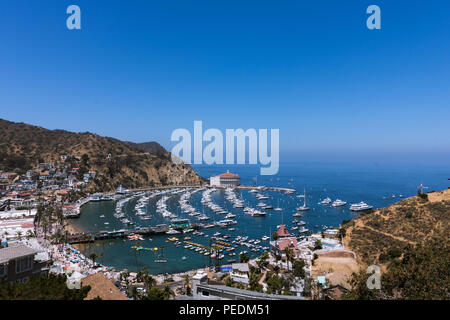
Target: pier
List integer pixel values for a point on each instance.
(124, 233)
(242, 187)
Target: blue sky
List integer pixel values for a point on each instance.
(140, 69)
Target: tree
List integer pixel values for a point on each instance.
(274, 285)
(254, 282)
(275, 236)
(45, 287)
(93, 256)
(342, 233)
(168, 293)
(146, 278)
(276, 269)
(298, 266)
(317, 245)
(289, 255)
(187, 285)
(134, 293)
(243, 258)
(229, 282)
(359, 290)
(155, 293)
(421, 272)
(262, 260)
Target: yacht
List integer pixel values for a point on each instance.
(338, 203)
(261, 204)
(227, 222)
(360, 206)
(325, 201)
(172, 231)
(297, 214)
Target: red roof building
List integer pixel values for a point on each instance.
(278, 247)
(225, 180)
(282, 232)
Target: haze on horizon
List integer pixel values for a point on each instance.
(312, 69)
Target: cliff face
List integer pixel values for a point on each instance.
(376, 236)
(23, 146)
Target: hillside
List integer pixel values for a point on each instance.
(23, 146)
(150, 147)
(411, 221)
(409, 240)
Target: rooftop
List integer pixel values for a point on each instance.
(248, 294)
(241, 267)
(282, 232)
(15, 251)
(290, 242)
(102, 287)
(228, 174)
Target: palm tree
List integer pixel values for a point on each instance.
(187, 285)
(289, 255)
(134, 293)
(93, 256)
(168, 293)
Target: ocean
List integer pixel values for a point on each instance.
(378, 184)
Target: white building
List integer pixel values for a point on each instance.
(240, 272)
(224, 180)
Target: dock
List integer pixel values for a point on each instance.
(122, 234)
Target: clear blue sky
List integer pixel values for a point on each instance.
(139, 69)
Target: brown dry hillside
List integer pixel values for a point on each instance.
(23, 146)
(412, 221)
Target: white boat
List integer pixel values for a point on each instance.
(172, 231)
(325, 201)
(360, 206)
(303, 207)
(261, 204)
(338, 203)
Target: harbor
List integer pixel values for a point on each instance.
(243, 216)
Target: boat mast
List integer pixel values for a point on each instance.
(304, 197)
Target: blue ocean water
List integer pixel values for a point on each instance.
(378, 184)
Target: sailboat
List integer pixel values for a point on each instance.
(278, 206)
(303, 207)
